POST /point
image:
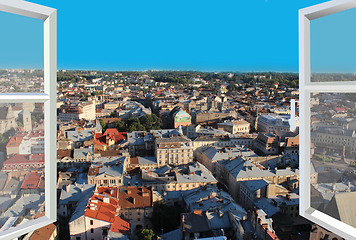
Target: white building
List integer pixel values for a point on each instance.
(77, 111)
(271, 122)
(32, 143)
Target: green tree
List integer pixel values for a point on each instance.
(36, 118)
(120, 126)
(232, 87)
(293, 84)
(95, 93)
(151, 121)
(146, 234)
(4, 139)
(103, 124)
(19, 124)
(133, 124)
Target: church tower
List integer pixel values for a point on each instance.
(25, 119)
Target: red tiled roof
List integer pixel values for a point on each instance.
(113, 134)
(340, 109)
(135, 197)
(64, 153)
(44, 233)
(36, 134)
(31, 181)
(15, 141)
(26, 158)
(103, 211)
(120, 225)
(110, 191)
(99, 142)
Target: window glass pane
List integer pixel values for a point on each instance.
(332, 47)
(333, 148)
(21, 59)
(22, 179)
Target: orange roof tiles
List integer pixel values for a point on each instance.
(25, 158)
(135, 197)
(120, 225)
(44, 233)
(110, 191)
(111, 133)
(31, 181)
(16, 140)
(99, 209)
(99, 143)
(64, 153)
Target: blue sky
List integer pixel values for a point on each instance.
(231, 35)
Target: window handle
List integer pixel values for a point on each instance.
(292, 114)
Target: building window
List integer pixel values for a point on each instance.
(309, 88)
(91, 222)
(92, 230)
(48, 98)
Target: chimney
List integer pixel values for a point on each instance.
(106, 199)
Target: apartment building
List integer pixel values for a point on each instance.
(20, 162)
(101, 214)
(233, 171)
(206, 141)
(108, 171)
(235, 126)
(244, 139)
(135, 204)
(174, 150)
(271, 122)
(140, 143)
(177, 178)
(334, 139)
(209, 155)
(267, 144)
(77, 111)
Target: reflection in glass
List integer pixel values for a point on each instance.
(22, 51)
(21, 81)
(332, 47)
(333, 148)
(22, 184)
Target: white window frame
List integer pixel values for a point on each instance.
(305, 88)
(49, 17)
